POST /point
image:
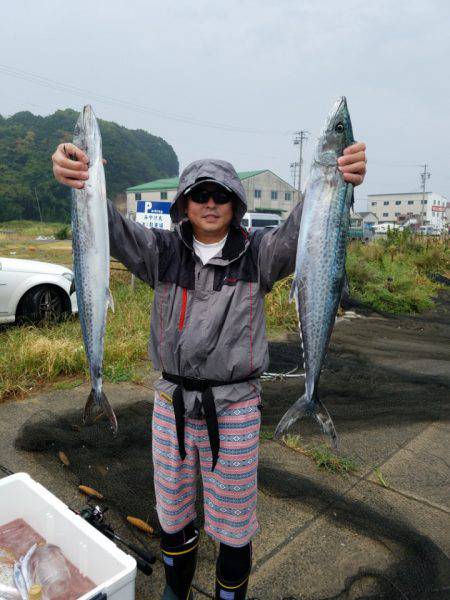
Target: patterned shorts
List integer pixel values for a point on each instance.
(229, 491)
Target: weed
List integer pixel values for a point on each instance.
(322, 456)
(266, 433)
(63, 233)
(68, 385)
(280, 312)
(379, 476)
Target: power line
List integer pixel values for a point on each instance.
(68, 88)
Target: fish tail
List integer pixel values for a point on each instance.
(317, 410)
(98, 398)
(301, 407)
(323, 418)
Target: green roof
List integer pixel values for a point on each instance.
(172, 183)
(158, 184)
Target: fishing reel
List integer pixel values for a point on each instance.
(95, 516)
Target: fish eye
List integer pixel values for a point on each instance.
(339, 127)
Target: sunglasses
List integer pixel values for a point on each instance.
(202, 196)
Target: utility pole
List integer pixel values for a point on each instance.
(294, 166)
(424, 176)
(299, 138)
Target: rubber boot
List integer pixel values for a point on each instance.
(232, 571)
(179, 566)
(231, 590)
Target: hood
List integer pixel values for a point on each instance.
(209, 168)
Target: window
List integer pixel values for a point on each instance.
(287, 196)
(137, 197)
(264, 222)
(244, 222)
(423, 201)
(398, 202)
(257, 193)
(410, 201)
(397, 214)
(163, 195)
(385, 214)
(273, 195)
(374, 203)
(386, 203)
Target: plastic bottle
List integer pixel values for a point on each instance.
(35, 592)
(49, 568)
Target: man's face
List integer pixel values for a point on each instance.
(210, 221)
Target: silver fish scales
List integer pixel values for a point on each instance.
(90, 243)
(320, 262)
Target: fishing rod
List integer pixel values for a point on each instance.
(95, 515)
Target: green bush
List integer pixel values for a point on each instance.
(63, 233)
(391, 274)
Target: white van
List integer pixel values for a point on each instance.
(255, 220)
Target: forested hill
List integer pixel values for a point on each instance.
(28, 141)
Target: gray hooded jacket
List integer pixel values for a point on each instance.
(207, 321)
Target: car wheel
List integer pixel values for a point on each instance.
(43, 304)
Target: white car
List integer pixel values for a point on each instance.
(35, 291)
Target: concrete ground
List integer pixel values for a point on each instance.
(380, 532)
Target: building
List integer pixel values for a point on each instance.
(266, 192)
(361, 225)
(367, 219)
(428, 208)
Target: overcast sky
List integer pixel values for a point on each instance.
(234, 79)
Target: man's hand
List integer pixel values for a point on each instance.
(70, 165)
(353, 163)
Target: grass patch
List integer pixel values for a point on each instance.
(391, 274)
(68, 385)
(266, 433)
(281, 315)
(32, 356)
(31, 228)
(388, 274)
(322, 456)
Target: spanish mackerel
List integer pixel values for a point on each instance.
(90, 243)
(320, 263)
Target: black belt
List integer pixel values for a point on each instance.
(209, 408)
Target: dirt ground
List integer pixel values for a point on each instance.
(382, 532)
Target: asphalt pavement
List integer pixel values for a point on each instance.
(382, 531)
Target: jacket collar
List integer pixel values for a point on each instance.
(236, 243)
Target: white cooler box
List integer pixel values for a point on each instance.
(96, 557)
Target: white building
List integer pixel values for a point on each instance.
(394, 208)
(266, 192)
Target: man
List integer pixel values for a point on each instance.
(208, 338)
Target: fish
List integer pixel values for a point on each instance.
(320, 263)
(90, 244)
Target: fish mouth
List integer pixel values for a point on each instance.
(87, 115)
(336, 112)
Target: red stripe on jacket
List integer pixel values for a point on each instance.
(183, 310)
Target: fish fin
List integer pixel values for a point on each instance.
(323, 418)
(100, 400)
(109, 300)
(350, 200)
(301, 407)
(293, 295)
